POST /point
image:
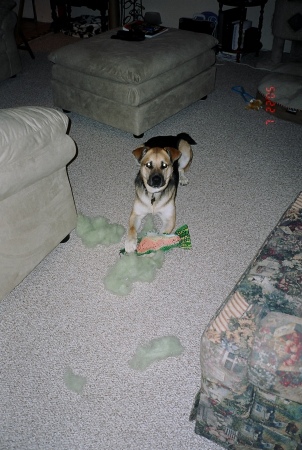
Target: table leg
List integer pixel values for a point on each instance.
(34, 10)
(114, 14)
(219, 26)
(25, 45)
(53, 8)
(260, 23)
(242, 19)
(103, 10)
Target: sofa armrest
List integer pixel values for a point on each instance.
(27, 150)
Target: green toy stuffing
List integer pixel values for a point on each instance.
(74, 382)
(98, 230)
(130, 268)
(155, 350)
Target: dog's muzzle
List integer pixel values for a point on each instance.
(156, 181)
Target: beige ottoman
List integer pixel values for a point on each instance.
(134, 85)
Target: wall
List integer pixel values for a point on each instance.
(171, 11)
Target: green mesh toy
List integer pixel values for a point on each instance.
(153, 242)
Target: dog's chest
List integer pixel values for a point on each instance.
(154, 202)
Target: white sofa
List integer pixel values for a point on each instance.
(37, 209)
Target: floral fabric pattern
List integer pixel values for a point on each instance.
(251, 352)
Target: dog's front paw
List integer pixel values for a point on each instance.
(183, 180)
(130, 245)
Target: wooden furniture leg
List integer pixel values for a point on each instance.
(34, 10)
(260, 23)
(25, 45)
(114, 14)
(242, 18)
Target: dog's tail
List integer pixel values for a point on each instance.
(186, 137)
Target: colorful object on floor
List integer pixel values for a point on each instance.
(155, 350)
(131, 268)
(98, 230)
(252, 103)
(240, 90)
(153, 242)
(255, 104)
(74, 382)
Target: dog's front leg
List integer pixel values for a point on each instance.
(183, 180)
(168, 217)
(134, 224)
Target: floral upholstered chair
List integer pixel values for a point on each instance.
(251, 352)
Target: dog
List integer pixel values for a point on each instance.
(163, 161)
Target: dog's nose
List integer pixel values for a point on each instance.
(155, 181)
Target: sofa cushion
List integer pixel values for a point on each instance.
(103, 57)
(276, 359)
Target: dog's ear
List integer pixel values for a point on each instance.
(174, 153)
(140, 152)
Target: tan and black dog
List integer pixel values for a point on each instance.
(163, 161)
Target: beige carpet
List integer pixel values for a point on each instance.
(245, 173)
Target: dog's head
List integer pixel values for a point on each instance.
(156, 166)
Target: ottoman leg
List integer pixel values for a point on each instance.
(66, 238)
(138, 136)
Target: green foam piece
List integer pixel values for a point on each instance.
(155, 350)
(130, 268)
(98, 230)
(148, 226)
(74, 382)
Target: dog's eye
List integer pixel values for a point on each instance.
(149, 165)
(164, 165)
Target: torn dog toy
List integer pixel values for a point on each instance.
(153, 242)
